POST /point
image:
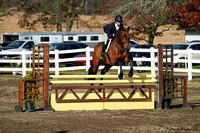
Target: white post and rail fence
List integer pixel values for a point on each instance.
(24, 59)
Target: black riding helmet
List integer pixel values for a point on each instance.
(118, 18)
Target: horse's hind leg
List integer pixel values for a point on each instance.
(130, 74)
(103, 71)
(92, 70)
(120, 75)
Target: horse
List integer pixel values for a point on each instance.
(117, 53)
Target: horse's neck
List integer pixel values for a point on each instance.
(116, 43)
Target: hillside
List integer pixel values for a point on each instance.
(10, 24)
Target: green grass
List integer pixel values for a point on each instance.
(8, 67)
(196, 67)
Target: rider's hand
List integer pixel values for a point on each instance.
(115, 34)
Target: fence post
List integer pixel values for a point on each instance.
(21, 92)
(56, 62)
(152, 51)
(23, 63)
(160, 73)
(87, 58)
(189, 64)
(30, 59)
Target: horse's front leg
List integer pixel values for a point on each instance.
(120, 75)
(130, 74)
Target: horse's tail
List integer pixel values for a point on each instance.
(90, 70)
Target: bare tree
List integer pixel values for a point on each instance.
(95, 8)
(51, 13)
(100, 7)
(145, 16)
(61, 14)
(7, 6)
(73, 12)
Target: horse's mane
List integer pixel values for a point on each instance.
(99, 44)
(120, 31)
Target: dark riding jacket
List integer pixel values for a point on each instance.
(110, 29)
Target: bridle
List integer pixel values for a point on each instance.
(122, 44)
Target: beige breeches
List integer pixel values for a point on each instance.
(106, 38)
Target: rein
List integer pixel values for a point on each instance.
(122, 44)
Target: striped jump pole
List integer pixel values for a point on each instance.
(98, 76)
(103, 81)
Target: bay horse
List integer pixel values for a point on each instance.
(117, 53)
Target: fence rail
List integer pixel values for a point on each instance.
(25, 58)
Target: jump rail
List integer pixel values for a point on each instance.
(103, 81)
(97, 76)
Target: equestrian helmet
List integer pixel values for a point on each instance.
(118, 18)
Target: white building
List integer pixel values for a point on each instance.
(192, 35)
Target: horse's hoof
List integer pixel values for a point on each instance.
(99, 90)
(130, 74)
(120, 76)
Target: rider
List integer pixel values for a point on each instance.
(110, 31)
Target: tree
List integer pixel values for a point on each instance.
(51, 13)
(144, 17)
(7, 6)
(186, 13)
(96, 9)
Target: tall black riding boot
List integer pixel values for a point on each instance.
(103, 52)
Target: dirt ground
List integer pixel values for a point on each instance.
(172, 120)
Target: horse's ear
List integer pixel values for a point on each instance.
(128, 28)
